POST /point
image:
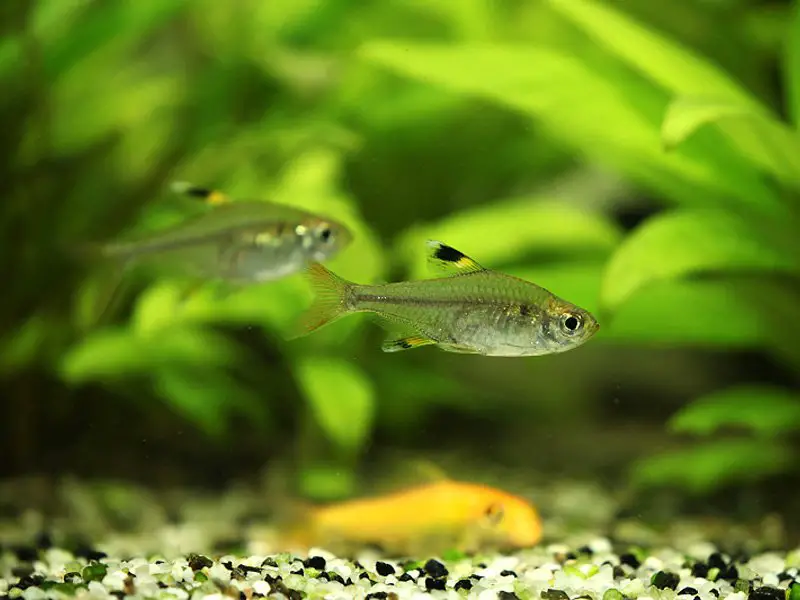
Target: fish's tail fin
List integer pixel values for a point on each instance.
(330, 303)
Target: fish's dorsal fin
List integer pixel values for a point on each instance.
(427, 472)
(448, 259)
(208, 195)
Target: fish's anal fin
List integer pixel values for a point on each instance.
(406, 343)
(448, 259)
(208, 195)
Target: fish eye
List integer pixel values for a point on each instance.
(325, 233)
(571, 323)
(494, 513)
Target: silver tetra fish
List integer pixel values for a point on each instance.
(240, 242)
(474, 310)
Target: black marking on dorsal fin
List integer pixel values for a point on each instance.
(210, 196)
(449, 259)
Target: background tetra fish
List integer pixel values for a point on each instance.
(433, 517)
(239, 242)
(475, 310)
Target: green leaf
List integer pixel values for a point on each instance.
(208, 397)
(758, 136)
(765, 410)
(104, 24)
(619, 127)
(509, 229)
(664, 61)
(705, 467)
(340, 397)
(682, 243)
(791, 64)
(657, 315)
(118, 353)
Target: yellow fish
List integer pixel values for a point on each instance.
(428, 518)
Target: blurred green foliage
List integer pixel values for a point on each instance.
(516, 131)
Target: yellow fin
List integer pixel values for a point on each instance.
(449, 259)
(406, 343)
(209, 196)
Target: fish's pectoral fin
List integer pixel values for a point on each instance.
(208, 195)
(450, 260)
(406, 343)
(458, 349)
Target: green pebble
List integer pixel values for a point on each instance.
(200, 576)
(794, 592)
(453, 555)
(573, 570)
(94, 572)
(742, 585)
(713, 574)
(612, 594)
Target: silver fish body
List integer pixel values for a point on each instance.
(474, 311)
(240, 242)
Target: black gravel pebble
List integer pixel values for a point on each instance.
(364, 575)
(22, 571)
(384, 569)
(25, 553)
(118, 594)
(630, 560)
(507, 572)
(405, 577)
(689, 591)
(301, 572)
(72, 577)
(784, 576)
(335, 577)
(315, 562)
(586, 550)
(618, 572)
(664, 579)
(463, 584)
(435, 569)
(249, 569)
(503, 595)
(730, 573)
(715, 591)
(552, 594)
(197, 562)
(269, 562)
(434, 584)
(715, 561)
(700, 570)
(377, 596)
(767, 593)
(29, 581)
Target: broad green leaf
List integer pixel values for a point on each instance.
(758, 136)
(340, 397)
(103, 24)
(208, 397)
(510, 229)
(682, 243)
(618, 127)
(669, 313)
(708, 466)
(659, 58)
(118, 353)
(156, 307)
(766, 410)
(791, 65)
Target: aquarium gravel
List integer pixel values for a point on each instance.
(595, 571)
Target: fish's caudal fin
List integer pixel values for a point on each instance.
(406, 343)
(330, 302)
(450, 260)
(208, 195)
